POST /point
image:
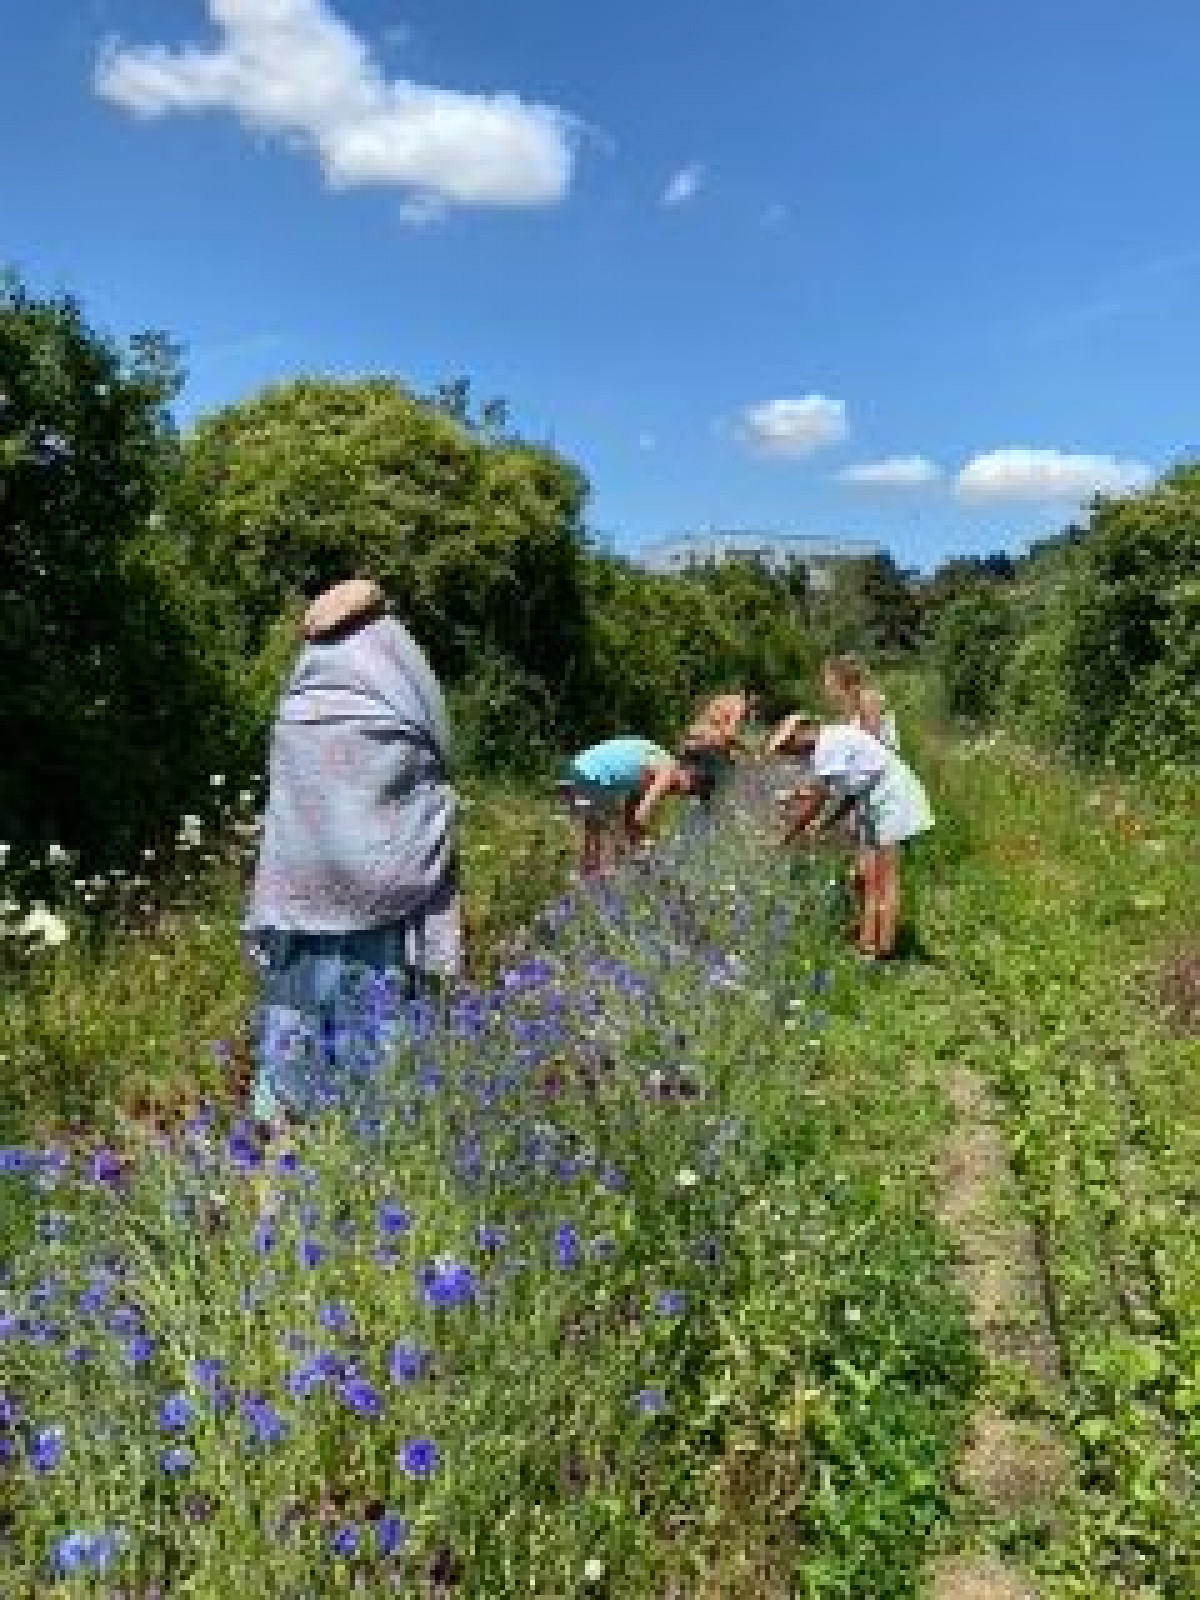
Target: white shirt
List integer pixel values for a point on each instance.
(848, 757)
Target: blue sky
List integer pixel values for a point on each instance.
(926, 273)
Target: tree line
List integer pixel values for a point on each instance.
(153, 579)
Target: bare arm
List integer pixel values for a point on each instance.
(661, 785)
(870, 712)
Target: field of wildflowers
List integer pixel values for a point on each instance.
(618, 1285)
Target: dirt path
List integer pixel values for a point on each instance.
(1010, 1464)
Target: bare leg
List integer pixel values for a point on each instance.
(888, 901)
(868, 933)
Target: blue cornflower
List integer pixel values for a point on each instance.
(652, 1401)
(262, 1420)
(408, 1362)
(391, 1533)
(286, 1163)
(139, 1349)
(322, 1368)
(671, 1303)
(346, 1540)
(335, 1318)
(361, 1397)
(175, 1413)
(47, 1448)
(567, 1249)
(176, 1460)
(85, 1551)
(265, 1235)
(244, 1150)
(490, 1239)
(419, 1457)
(207, 1374)
(311, 1252)
(125, 1320)
(446, 1284)
(106, 1167)
(16, 1162)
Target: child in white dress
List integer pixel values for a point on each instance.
(890, 807)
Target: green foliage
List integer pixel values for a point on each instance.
(974, 638)
(112, 695)
(1131, 655)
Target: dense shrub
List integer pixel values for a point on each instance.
(1132, 660)
(974, 638)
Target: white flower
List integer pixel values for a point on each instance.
(4, 850)
(685, 1178)
(56, 855)
(593, 1570)
(217, 779)
(44, 925)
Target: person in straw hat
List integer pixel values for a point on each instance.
(354, 915)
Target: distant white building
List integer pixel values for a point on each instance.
(777, 551)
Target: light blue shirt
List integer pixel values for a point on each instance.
(619, 764)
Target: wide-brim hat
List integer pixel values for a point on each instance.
(345, 605)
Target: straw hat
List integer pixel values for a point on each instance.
(352, 603)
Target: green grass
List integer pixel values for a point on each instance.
(820, 1379)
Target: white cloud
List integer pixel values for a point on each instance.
(683, 186)
(1021, 474)
(647, 441)
(793, 427)
(293, 69)
(896, 472)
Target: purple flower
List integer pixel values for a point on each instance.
(391, 1533)
(139, 1349)
(446, 1284)
(106, 1166)
(671, 1303)
(125, 1320)
(84, 1551)
(311, 1252)
(175, 1413)
(361, 1397)
(490, 1239)
(208, 1375)
(652, 1401)
(346, 1540)
(47, 1448)
(286, 1163)
(394, 1220)
(176, 1460)
(244, 1149)
(323, 1368)
(408, 1362)
(419, 1458)
(264, 1237)
(567, 1250)
(335, 1319)
(262, 1421)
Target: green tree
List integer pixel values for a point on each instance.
(974, 638)
(110, 693)
(1131, 656)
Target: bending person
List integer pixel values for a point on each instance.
(890, 808)
(614, 787)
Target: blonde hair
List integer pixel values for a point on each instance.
(852, 680)
(847, 672)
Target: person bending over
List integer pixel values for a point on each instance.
(890, 807)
